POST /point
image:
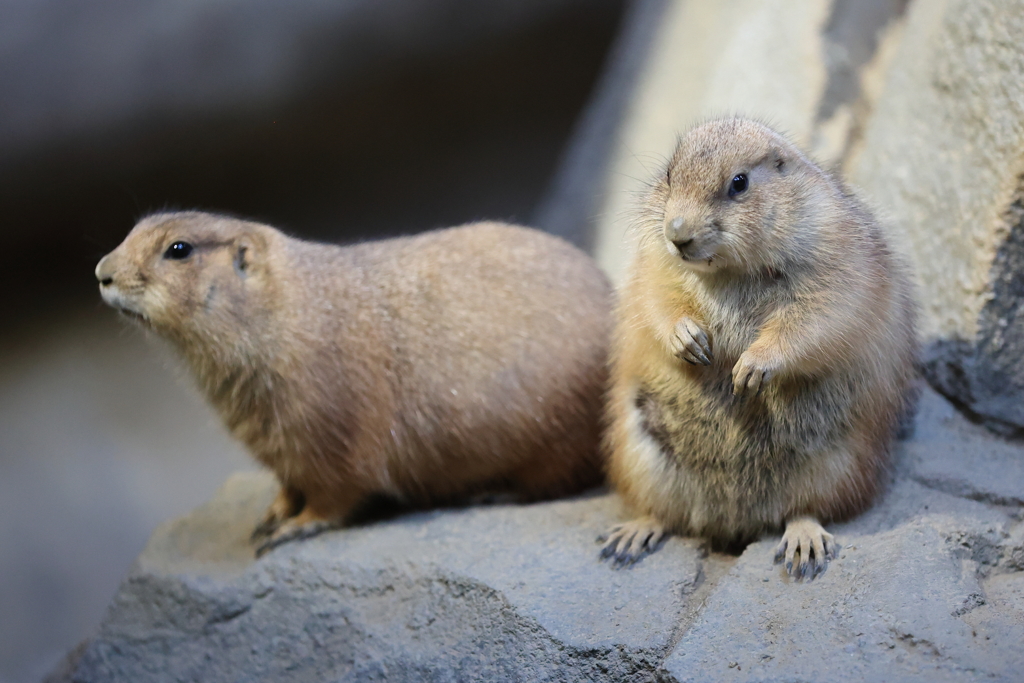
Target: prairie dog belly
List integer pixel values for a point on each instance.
(738, 465)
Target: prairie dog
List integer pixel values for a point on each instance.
(764, 353)
(425, 368)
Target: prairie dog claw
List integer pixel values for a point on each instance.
(806, 548)
(751, 374)
(626, 543)
(690, 343)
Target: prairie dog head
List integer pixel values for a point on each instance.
(733, 197)
(191, 276)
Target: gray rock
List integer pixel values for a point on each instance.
(958, 457)
(890, 608)
(986, 375)
(929, 587)
(485, 593)
(850, 42)
(941, 156)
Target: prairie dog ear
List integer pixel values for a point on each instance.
(243, 257)
(250, 249)
(779, 161)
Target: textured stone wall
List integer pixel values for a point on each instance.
(943, 157)
(921, 104)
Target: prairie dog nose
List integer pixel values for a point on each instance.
(105, 271)
(676, 228)
(677, 232)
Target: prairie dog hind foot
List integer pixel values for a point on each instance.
(806, 547)
(628, 542)
(288, 503)
(304, 525)
(290, 518)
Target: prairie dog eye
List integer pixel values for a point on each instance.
(178, 251)
(738, 185)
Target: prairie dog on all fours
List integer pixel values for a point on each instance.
(425, 368)
(764, 355)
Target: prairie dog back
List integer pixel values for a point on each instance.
(491, 354)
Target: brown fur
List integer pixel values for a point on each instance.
(423, 368)
(809, 321)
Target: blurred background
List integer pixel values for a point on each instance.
(353, 119)
(334, 121)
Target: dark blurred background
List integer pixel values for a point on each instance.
(335, 121)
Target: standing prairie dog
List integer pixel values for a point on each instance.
(424, 368)
(764, 353)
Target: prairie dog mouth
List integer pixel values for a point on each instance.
(692, 251)
(134, 315)
(702, 262)
(115, 299)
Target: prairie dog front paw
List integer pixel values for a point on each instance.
(752, 372)
(690, 343)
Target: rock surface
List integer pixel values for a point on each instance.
(943, 156)
(929, 587)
